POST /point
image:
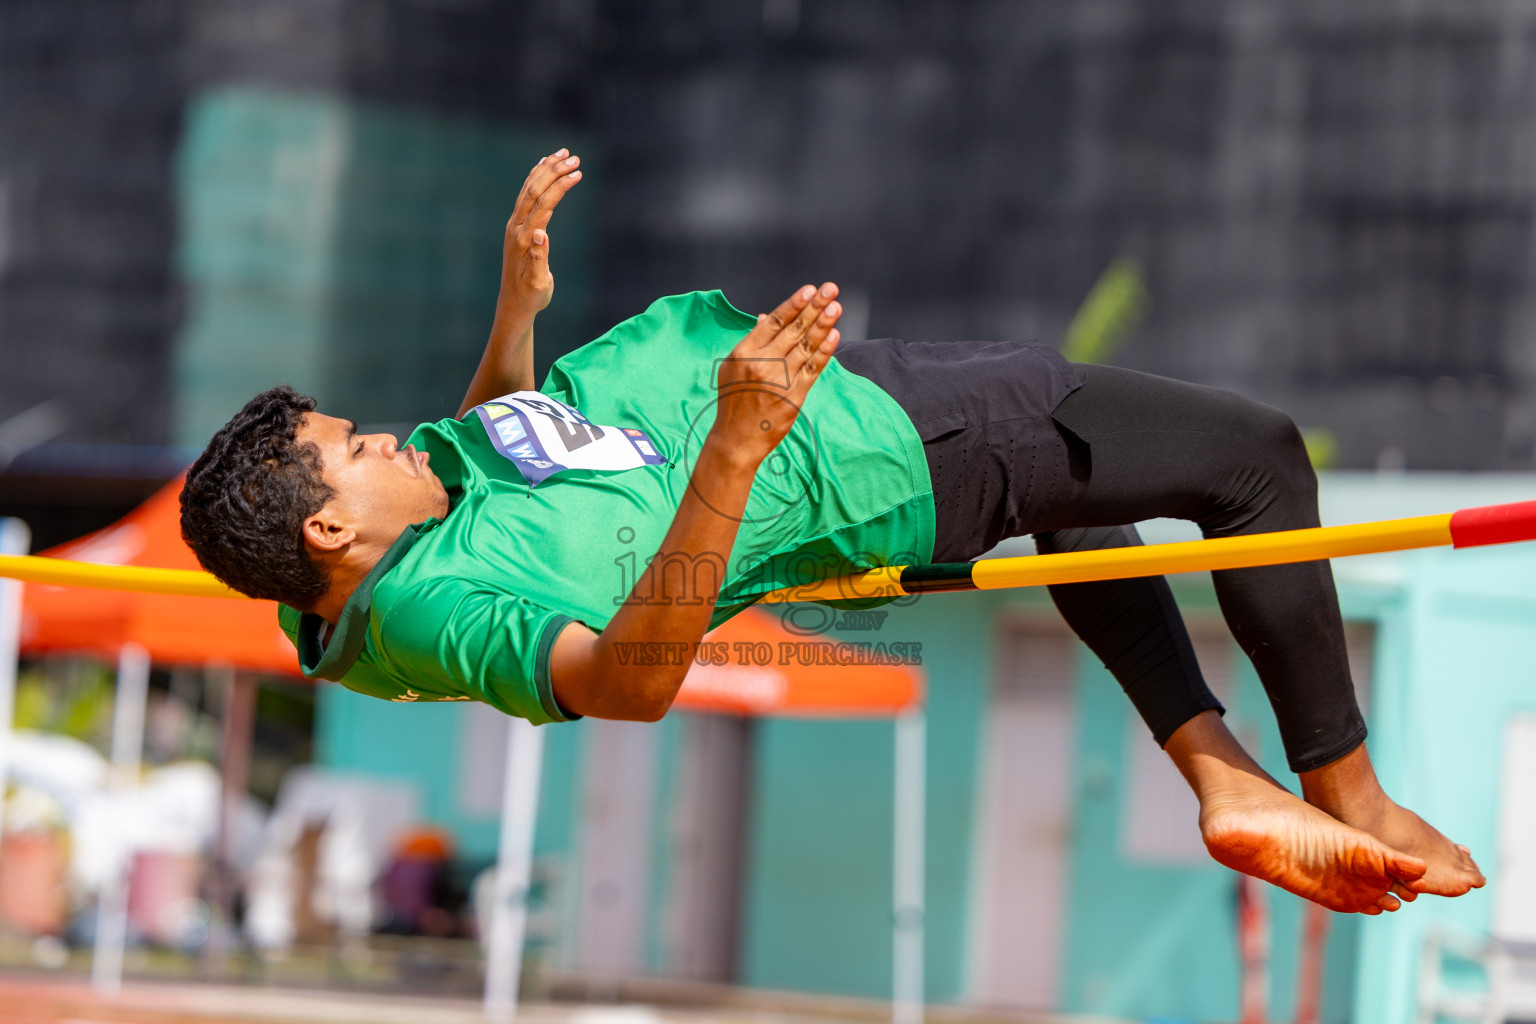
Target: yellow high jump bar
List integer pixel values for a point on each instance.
(61, 572)
(1491, 524)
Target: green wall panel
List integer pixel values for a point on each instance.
(1460, 669)
(354, 251)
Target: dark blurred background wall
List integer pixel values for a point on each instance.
(1330, 205)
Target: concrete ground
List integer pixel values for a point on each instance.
(31, 999)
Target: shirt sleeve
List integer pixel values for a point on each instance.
(471, 640)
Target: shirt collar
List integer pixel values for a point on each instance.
(336, 658)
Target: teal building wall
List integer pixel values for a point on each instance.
(1141, 940)
(811, 921)
(1459, 643)
(1159, 941)
(1453, 631)
(818, 895)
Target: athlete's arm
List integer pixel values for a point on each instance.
(526, 283)
(754, 413)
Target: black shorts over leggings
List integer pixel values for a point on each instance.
(1019, 441)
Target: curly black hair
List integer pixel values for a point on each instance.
(247, 496)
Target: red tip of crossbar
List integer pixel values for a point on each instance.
(1494, 524)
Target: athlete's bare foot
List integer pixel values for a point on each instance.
(1268, 832)
(1348, 790)
(1252, 824)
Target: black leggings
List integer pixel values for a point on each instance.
(1158, 448)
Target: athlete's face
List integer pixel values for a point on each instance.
(381, 488)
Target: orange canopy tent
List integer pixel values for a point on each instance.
(752, 665)
(172, 629)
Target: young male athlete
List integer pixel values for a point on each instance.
(694, 458)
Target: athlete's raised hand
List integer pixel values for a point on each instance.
(764, 381)
(526, 283)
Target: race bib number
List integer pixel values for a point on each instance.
(543, 436)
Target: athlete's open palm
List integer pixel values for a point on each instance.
(526, 283)
(764, 381)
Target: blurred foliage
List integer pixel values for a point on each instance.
(71, 697)
(183, 715)
(1114, 306)
(1322, 447)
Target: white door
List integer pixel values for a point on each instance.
(1160, 817)
(1026, 823)
(617, 806)
(707, 843)
(1514, 909)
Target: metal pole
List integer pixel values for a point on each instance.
(514, 868)
(911, 820)
(1253, 949)
(127, 744)
(1314, 949)
(15, 538)
(239, 719)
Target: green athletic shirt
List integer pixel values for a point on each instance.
(468, 607)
